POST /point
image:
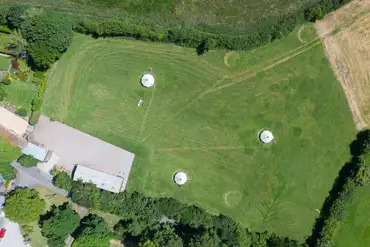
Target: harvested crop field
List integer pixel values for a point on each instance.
(348, 50)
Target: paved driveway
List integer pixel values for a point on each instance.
(30, 177)
(13, 236)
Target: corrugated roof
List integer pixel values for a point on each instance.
(102, 180)
(75, 147)
(35, 151)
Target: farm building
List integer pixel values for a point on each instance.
(102, 180)
(74, 147)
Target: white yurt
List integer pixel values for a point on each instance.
(147, 80)
(266, 136)
(180, 178)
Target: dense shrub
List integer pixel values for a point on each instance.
(34, 118)
(27, 160)
(21, 111)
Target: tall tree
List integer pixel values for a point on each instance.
(49, 34)
(207, 238)
(16, 15)
(17, 44)
(24, 205)
(93, 231)
(167, 237)
(63, 221)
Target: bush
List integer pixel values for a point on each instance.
(27, 161)
(4, 29)
(37, 103)
(63, 181)
(21, 111)
(34, 118)
(7, 80)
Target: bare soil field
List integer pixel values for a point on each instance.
(348, 51)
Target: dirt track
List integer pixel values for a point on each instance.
(348, 51)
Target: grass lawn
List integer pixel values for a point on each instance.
(8, 153)
(4, 62)
(20, 93)
(203, 117)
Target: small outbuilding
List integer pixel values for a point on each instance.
(35, 151)
(266, 136)
(101, 179)
(180, 178)
(147, 80)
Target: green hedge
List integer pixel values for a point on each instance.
(193, 37)
(34, 118)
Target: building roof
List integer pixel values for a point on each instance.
(102, 180)
(78, 148)
(12, 122)
(35, 151)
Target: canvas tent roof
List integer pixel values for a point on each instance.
(35, 151)
(181, 178)
(147, 80)
(266, 136)
(102, 180)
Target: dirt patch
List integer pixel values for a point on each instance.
(348, 51)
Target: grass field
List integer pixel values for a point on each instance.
(4, 62)
(203, 117)
(20, 93)
(235, 16)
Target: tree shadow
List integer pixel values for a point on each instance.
(362, 142)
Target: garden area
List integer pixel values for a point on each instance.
(203, 117)
(8, 153)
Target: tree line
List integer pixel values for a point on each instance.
(354, 174)
(46, 34)
(149, 221)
